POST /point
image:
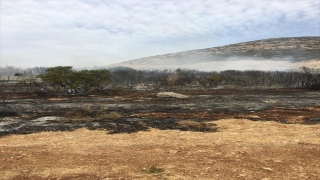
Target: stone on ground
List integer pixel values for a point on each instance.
(171, 95)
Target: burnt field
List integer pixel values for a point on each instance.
(205, 134)
(138, 111)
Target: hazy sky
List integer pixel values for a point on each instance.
(84, 33)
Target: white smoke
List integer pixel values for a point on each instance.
(233, 63)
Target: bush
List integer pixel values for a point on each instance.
(64, 79)
(214, 80)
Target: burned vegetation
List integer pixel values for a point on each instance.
(124, 100)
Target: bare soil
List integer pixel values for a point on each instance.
(246, 134)
(242, 149)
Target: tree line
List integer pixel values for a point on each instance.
(303, 78)
(65, 79)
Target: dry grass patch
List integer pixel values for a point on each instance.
(196, 126)
(112, 115)
(153, 169)
(243, 150)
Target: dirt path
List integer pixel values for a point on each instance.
(241, 149)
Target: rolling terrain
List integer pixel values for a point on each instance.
(267, 54)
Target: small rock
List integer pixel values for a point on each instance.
(254, 117)
(267, 168)
(173, 151)
(171, 95)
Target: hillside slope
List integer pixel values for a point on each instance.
(293, 50)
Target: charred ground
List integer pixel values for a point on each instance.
(140, 111)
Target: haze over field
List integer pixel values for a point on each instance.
(84, 33)
(266, 65)
(267, 54)
(232, 65)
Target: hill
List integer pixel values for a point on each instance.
(293, 50)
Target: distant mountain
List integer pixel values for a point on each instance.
(293, 50)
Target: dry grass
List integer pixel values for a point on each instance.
(153, 169)
(243, 149)
(112, 116)
(196, 126)
(191, 124)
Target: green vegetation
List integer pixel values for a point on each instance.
(64, 79)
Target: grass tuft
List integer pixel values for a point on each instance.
(196, 126)
(153, 169)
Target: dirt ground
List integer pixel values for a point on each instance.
(241, 149)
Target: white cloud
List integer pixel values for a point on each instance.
(100, 32)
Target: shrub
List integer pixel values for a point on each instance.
(153, 169)
(214, 80)
(64, 79)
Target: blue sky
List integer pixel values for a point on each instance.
(84, 33)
